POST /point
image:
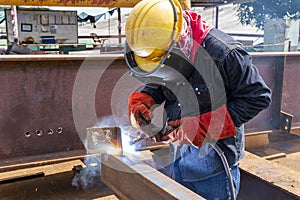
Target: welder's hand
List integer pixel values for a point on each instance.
(166, 130)
(213, 125)
(139, 112)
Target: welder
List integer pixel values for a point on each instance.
(209, 88)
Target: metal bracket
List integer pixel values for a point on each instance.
(286, 122)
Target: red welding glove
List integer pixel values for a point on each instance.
(214, 125)
(139, 105)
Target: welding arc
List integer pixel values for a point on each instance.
(137, 139)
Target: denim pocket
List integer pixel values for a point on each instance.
(199, 163)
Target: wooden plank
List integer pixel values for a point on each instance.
(275, 156)
(134, 180)
(110, 197)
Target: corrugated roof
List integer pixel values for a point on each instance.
(105, 3)
(211, 3)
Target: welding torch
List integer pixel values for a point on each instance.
(153, 132)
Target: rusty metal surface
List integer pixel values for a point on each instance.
(58, 185)
(254, 188)
(36, 106)
(37, 95)
(268, 66)
(262, 179)
(291, 89)
(140, 181)
(16, 163)
(281, 72)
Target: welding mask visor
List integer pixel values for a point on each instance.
(173, 67)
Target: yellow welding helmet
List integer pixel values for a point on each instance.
(151, 29)
(29, 40)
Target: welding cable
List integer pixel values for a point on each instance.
(226, 167)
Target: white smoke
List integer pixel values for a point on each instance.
(89, 176)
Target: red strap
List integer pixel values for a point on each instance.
(200, 29)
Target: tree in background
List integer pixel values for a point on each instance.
(257, 11)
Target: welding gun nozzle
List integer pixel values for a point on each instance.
(135, 140)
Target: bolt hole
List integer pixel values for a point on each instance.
(59, 130)
(50, 131)
(27, 134)
(39, 132)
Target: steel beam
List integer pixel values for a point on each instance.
(135, 180)
(54, 181)
(37, 111)
(36, 94)
(262, 179)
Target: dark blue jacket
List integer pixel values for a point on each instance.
(224, 75)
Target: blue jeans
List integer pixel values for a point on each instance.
(216, 187)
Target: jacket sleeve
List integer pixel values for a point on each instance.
(155, 91)
(249, 93)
